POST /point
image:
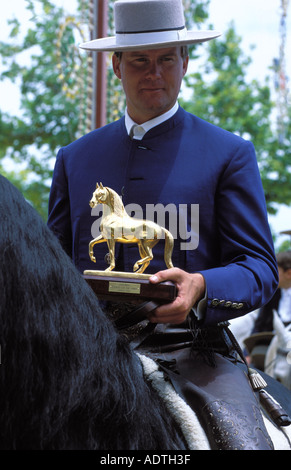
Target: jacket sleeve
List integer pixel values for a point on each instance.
(247, 276)
(59, 206)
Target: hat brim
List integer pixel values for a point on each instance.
(110, 44)
(258, 339)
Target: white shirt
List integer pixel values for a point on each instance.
(284, 309)
(137, 131)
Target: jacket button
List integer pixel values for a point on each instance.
(228, 304)
(215, 302)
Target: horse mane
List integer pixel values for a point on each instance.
(117, 201)
(68, 379)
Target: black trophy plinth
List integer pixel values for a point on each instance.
(129, 287)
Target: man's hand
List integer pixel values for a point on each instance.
(190, 289)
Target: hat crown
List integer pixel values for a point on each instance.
(148, 24)
(145, 16)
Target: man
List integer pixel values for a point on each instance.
(281, 301)
(158, 153)
(257, 342)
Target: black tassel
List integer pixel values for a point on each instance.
(201, 344)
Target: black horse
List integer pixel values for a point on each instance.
(68, 380)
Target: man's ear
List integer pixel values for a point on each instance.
(116, 66)
(185, 65)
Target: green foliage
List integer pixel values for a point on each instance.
(221, 94)
(285, 246)
(50, 113)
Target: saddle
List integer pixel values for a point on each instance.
(207, 370)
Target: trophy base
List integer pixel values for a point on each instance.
(129, 287)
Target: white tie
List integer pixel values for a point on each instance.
(137, 132)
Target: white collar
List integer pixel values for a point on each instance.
(140, 130)
(286, 292)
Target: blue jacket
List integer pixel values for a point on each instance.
(193, 168)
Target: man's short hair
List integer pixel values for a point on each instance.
(184, 53)
(284, 260)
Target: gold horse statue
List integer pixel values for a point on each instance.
(117, 226)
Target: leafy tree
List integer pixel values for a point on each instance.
(221, 94)
(56, 91)
(53, 91)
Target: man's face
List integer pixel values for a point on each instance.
(284, 278)
(151, 80)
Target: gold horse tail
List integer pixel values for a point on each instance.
(169, 245)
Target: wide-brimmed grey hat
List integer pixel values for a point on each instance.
(148, 24)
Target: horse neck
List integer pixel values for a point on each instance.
(114, 202)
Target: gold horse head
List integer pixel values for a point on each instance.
(98, 196)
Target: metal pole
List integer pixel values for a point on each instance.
(99, 63)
